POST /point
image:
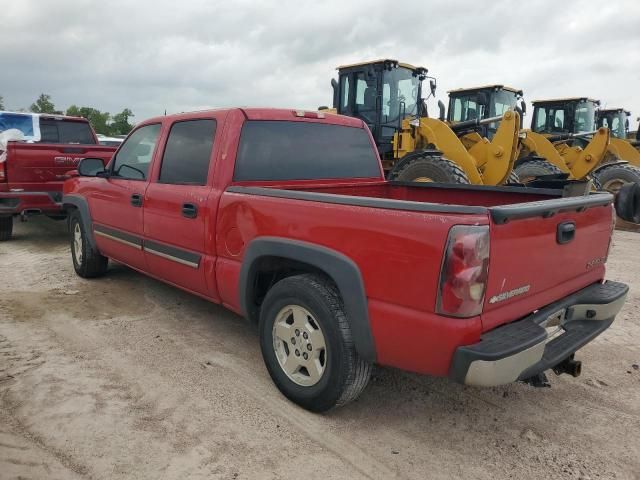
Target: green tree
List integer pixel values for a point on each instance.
(44, 105)
(120, 123)
(1, 103)
(99, 120)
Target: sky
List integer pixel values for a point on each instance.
(152, 56)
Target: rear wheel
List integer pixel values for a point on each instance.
(6, 228)
(529, 170)
(307, 344)
(87, 261)
(428, 168)
(613, 177)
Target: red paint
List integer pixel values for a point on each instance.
(399, 252)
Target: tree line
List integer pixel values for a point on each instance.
(102, 122)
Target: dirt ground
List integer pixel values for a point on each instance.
(124, 377)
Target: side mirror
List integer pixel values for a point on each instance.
(523, 107)
(90, 167)
(441, 108)
(336, 92)
(432, 86)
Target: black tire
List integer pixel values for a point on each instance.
(513, 178)
(6, 228)
(436, 168)
(612, 177)
(345, 374)
(88, 263)
(529, 170)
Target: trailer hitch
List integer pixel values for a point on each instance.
(569, 366)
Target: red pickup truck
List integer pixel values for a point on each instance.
(33, 170)
(284, 216)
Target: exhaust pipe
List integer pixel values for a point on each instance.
(569, 366)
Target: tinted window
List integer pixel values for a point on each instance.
(186, 156)
(65, 131)
(133, 159)
(272, 150)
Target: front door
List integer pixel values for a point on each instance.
(117, 206)
(177, 215)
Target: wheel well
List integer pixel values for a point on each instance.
(269, 270)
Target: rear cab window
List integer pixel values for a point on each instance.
(286, 150)
(66, 131)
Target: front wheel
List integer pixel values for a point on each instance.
(6, 228)
(87, 261)
(613, 177)
(428, 168)
(307, 344)
(530, 170)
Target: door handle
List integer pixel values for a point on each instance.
(136, 200)
(189, 210)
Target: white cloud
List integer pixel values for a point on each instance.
(156, 55)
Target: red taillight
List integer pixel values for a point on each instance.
(463, 278)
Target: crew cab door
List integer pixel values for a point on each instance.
(179, 221)
(117, 205)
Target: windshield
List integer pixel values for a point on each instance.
(400, 90)
(584, 117)
(614, 121)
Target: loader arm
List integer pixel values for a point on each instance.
(622, 149)
(582, 162)
(434, 133)
(536, 144)
(496, 158)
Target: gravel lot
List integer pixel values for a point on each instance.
(125, 377)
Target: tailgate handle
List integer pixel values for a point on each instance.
(566, 232)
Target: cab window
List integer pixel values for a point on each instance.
(188, 152)
(134, 157)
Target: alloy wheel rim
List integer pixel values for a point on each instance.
(77, 242)
(299, 345)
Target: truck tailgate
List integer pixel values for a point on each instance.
(48, 162)
(543, 251)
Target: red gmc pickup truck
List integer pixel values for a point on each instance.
(33, 170)
(284, 216)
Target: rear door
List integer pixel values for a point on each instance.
(535, 261)
(117, 202)
(177, 214)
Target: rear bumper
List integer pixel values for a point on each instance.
(524, 348)
(14, 203)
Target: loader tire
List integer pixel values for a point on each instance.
(513, 178)
(613, 177)
(529, 170)
(428, 168)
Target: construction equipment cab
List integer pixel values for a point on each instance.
(475, 103)
(387, 96)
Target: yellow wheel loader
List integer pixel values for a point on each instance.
(621, 149)
(563, 139)
(387, 96)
